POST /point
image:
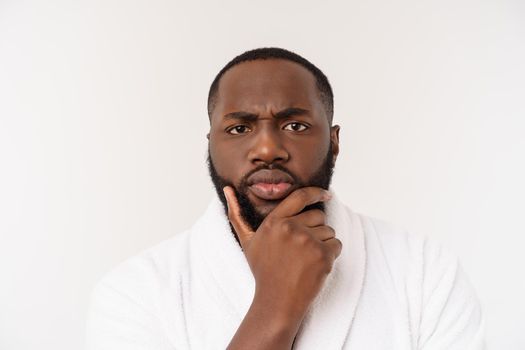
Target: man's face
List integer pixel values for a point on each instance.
(269, 135)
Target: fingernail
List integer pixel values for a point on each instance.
(327, 195)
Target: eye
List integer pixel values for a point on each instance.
(295, 126)
(238, 129)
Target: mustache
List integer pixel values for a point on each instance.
(271, 166)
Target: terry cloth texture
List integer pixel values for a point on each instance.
(387, 290)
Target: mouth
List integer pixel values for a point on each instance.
(270, 185)
(270, 191)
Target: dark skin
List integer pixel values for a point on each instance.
(269, 111)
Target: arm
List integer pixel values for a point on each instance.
(264, 328)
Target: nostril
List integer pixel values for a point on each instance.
(269, 157)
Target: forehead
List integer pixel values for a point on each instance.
(270, 83)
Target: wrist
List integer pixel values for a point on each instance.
(284, 318)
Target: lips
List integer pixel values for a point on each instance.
(270, 184)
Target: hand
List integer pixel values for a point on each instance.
(290, 254)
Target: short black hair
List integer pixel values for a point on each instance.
(264, 53)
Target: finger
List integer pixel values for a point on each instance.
(334, 245)
(311, 218)
(298, 199)
(323, 233)
(243, 230)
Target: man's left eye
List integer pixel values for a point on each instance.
(295, 127)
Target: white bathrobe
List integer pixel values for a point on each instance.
(388, 290)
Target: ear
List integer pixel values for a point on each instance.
(334, 140)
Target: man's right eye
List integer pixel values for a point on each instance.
(238, 129)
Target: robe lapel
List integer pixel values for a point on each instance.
(329, 319)
(224, 277)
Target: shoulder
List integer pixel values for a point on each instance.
(140, 277)
(409, 257)
(127, 304)
(394, 243)
(161, 261)
(442, 305)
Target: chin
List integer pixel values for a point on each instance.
(265, 208)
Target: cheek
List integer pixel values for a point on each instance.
(227, 160)
(308, 159)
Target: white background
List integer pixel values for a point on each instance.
(103, 123)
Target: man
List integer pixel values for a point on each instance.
(277, 261)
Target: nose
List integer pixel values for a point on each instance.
(267, 147)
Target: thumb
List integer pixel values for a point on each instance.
(243, 230)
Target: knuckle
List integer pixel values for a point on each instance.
(301, 238)
(305, 239)
(287, 227)
(337, 248)
(339, 245)
(318, 214)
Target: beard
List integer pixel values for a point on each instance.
(321, 178)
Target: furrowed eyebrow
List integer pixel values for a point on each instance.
(250, 117)
(244, 116)
(291, 112)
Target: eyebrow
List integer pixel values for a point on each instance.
(249, 117)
